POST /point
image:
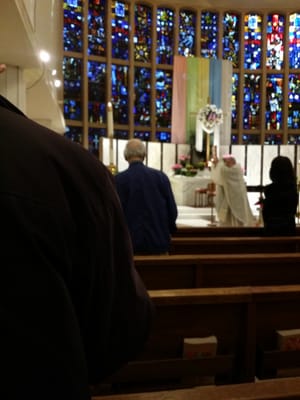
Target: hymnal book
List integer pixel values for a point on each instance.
(288, 340)
(200, 347)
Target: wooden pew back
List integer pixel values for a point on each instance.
(179, 271)
(233, 244)
(242, 318)
(270, 389)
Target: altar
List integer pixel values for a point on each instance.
(184, 187)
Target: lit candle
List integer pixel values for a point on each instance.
(110, 131)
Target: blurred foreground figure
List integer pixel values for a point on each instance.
(73, 309)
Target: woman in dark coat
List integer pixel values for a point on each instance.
(280, 199)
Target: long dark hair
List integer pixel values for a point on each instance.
(282, 171)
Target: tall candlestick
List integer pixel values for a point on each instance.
(110, 131)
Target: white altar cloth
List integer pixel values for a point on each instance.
(184, 187)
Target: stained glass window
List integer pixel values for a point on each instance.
(294, 41)
(234, 100)
(73, 25)
(96, 28)
(252, 101)
(165, 36)
(273, 139)
(72, 88)
(96, 82)
(274, 100)
(250, 139)
(120, 30)
(275, 33)
(163, 136)
(94, 139)
(142, 34)
(121, 134)
(293, 139)
(187, 25)
(252, 41)
(119, 80)
(209, 34)
(143, 135)
(231, 38)
(142, 92)
(74, 133)
(163, 98)
(294, 101)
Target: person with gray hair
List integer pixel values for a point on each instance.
(148, 202)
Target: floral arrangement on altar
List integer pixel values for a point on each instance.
(210, 116)
(185, 168)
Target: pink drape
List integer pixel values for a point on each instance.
(178, 129)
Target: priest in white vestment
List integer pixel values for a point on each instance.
(232, 204)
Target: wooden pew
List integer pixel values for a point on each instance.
(278, 309)
(183, 271)
(192, 313)
(208, 231)
(270, 389)
(233, 244)
(244, 319)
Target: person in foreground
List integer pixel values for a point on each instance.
(148, 202)
(279, 205)
(232, 204)
(73, 309)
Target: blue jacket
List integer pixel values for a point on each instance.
(149, 206)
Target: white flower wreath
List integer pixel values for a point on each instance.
(210, 116)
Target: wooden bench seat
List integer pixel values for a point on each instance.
(179, 271)
(271, 389)
(233, 244)
(244, 319)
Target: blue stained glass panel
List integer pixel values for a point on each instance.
(163, 136)
(142, 92)
(96, 28)
(97, 92)
(294, 41)
(142, 35)
(209, 34)
(143, 135)
(72, 68)
(73, 25)
(275, 36)
(120, 30)
(294, 101)
(252, 41)
(74, 133)
(119, 80)
(252, 100)
(163, 98)
(230, 39)
(187, 26)
(273, 138)
(293, 139)
(165, 36)
(250, 139)
(234, 100)
(274, 101)
(94, 139)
